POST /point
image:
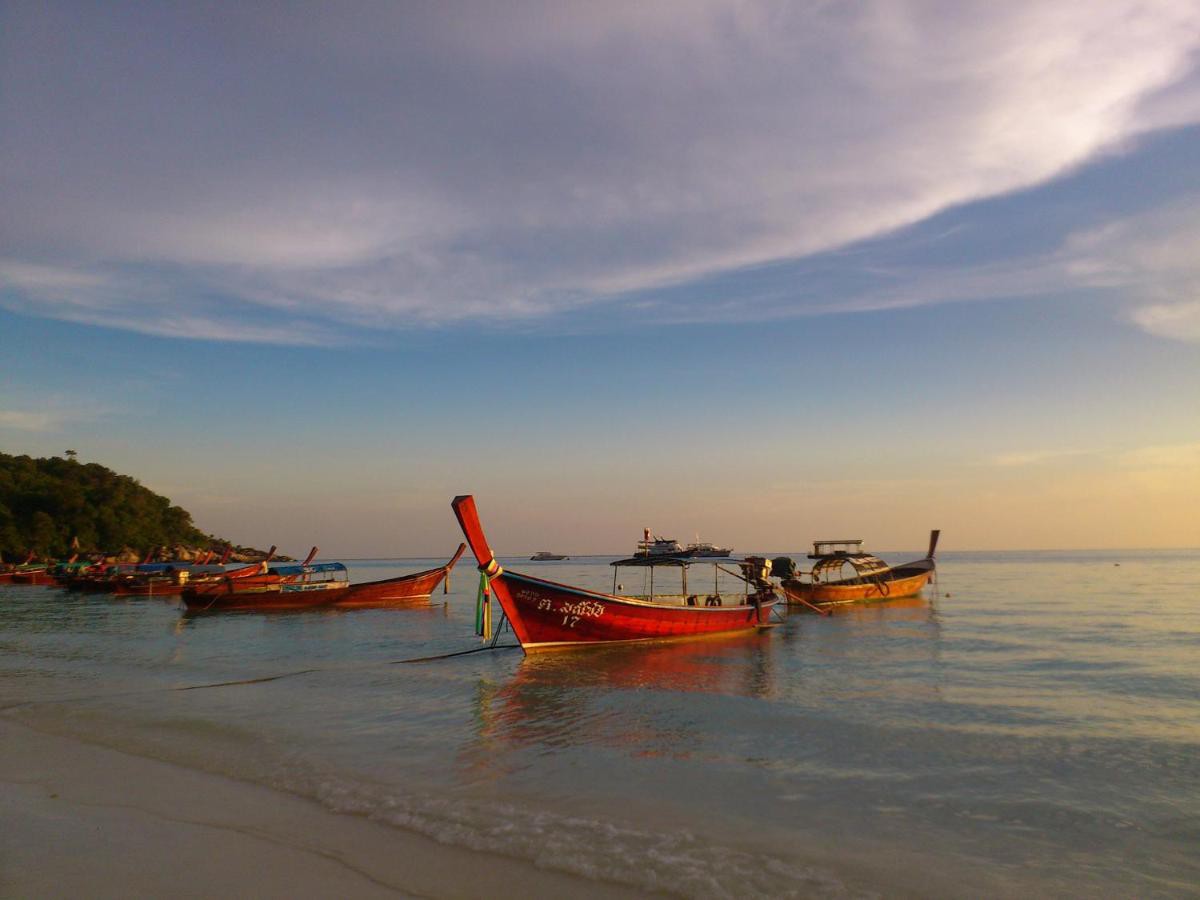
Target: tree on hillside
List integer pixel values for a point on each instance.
(46, 503)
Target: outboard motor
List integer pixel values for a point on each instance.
(756, 570)
(783, 567)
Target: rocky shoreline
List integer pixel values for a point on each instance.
(185, 554)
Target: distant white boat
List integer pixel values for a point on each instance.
(705, 548)
(653, 545)
(546, 555)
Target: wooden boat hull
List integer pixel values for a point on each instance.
(278, 596)
(150, 589)
(906, 581)
(406, 590)
(251, 580)
(546, 615)
(44, 578)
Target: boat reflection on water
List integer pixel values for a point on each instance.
(916, 608)
(619, 697)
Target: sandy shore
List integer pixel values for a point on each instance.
(82, 820)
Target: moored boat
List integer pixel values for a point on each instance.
(9, 572)
(706, 548)
(170, 582)
(280, 587)
(872, 578)
(653, 545)
(546, 615)
(33, 575)
(400, 591)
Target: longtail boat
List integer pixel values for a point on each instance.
(171, 582)
(10, 571)
(108, 578)
(33, 575)
(546, 615)
(870, 578)
(402, 591)
(281, 587)
(49, 574)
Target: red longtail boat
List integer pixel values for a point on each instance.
(546, 615)
(402, 591)
(170, 582)
(176, 578)
(24, 572)
(283, 587)
(33, 576)
(871, 579)
(10, 571)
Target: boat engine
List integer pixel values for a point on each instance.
(756, 570)
(783, 567)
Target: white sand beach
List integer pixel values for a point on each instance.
(81, 820)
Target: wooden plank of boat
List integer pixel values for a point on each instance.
(9, 571)
(887, 583)
(404, 590)
(284, 587)
(33, 576)
(170, 583)
(546, 615)
(155, 588)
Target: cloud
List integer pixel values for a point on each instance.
(1178, 321)
(1154, 258)
(423, 165)
(1035, 457)
(25, 420)
(141, 302)
(1160, 458)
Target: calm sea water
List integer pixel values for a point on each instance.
(1031, 727)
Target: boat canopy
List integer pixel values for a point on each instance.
(864, 564)
(151, 568)
(836, 548)
(212, 569)
(675, 561)
(307, 570)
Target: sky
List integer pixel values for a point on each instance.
(760, 272)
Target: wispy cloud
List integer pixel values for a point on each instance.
(1178, 321)
(27, 420)
(141, 301)
(1159, 457)
(423, 165)
(1036, 457)
(1155, 258)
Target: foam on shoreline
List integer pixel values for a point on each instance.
(82, 820)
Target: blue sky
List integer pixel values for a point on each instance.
(760, 272)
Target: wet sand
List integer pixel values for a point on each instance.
(83, 820)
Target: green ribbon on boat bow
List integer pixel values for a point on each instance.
(483, 607)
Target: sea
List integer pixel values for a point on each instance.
(1028, 727)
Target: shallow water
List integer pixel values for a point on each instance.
(1032, 725)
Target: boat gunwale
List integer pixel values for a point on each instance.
(614, 598)
(444, 568)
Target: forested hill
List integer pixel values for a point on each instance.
(46, 503)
